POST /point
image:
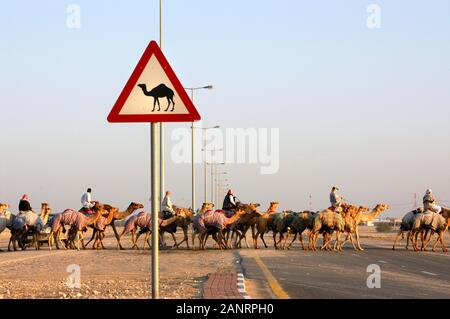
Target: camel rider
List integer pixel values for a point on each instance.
(28, 216)
(335, 199)
(429, 202)
(24, 204)
(86, 201)
(167, 208)
(230, 201)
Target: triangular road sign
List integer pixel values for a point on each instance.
(153, 93)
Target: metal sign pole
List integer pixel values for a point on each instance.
(155, 209)
(161, 128)
(156, 198)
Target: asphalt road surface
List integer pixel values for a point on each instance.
(306, 274)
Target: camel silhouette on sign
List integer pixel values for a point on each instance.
(157, 92)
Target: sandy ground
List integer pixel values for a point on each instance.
(106, 273)
(112, 273)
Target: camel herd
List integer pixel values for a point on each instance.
(227, 228)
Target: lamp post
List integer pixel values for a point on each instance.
(208, 87)
(216, 181)
(205, 173)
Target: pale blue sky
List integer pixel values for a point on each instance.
(366, 109)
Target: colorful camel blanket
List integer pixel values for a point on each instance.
(428, 220)
(210, 219)
(144, 220)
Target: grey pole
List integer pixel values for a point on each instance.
(155, 205)
(161, 129)
(204, 167)
(193, 159)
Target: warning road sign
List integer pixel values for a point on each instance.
(153, 93)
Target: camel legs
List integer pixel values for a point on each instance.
(113, 226)
(425, 241)
(94, 233)
(440, 239)
(357, 239)
(185, 238)
(119, 246)
(400, 233)
(408, 239)
(156, 101)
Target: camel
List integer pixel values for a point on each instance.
(194, 219)
(142, 220)
(99, 228)
(27, 224)
(66, 218)
(42, 236)
(119, 216)
(243, 224)
(279, 226)
(5, 217)
(354, 218)
(80, 224)
(157, 92)
(185, 218)
(326, 222)
(6, 221)
(263, 221)
(45, 212)
(298, 224)
(429, 221)
(214, 223)
(406, 226)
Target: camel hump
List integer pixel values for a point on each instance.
(162, 90)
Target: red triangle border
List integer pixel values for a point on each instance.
(153, 49)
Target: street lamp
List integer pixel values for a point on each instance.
(205, 173)
(207, 87)
(216, 180)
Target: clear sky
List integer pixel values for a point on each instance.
(365, 109)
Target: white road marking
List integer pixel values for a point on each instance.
(428, 273)
(382, 261)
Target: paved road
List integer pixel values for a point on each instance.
(305, 274)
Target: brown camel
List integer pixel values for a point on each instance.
(100, 227)
(241, 227)
(214, 223)
(194, 219)
(184, 220)
(120, 216)
(297, 225)
(429, 221)
(354, 218)
(45, 212)
(326, 222)
(143, 221)
(80, 224)
(406, 226)
(263, 221)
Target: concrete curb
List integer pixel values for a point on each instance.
(241, 286)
